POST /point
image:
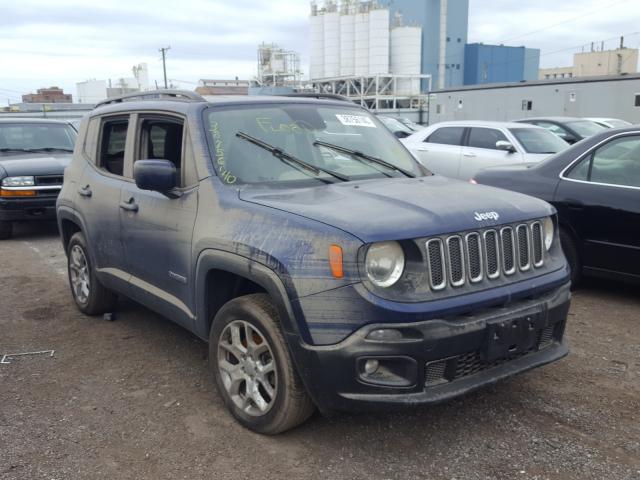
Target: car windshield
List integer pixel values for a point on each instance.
(287, 143)
(34, 137)
(585, 128)
(538, 140)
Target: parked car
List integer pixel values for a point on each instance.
(324, 265)
(610, 122)
(399, 129)
(595, 186)
(459, 149)
(410, 124)
(569, 129)
(33, 155)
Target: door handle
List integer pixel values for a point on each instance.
(85, 191)
(129, 205)
(469, 154)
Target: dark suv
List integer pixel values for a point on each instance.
(323, 264)
(33, 156)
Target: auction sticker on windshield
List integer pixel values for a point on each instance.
(356, 121)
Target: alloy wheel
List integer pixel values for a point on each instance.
(79, 274)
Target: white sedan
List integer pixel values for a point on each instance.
(460, 149)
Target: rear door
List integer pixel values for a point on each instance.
(440, 151)
(157, 230)
(601, 197)
(481, 152)
(98, 196)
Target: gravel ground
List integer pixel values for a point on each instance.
(133, 399)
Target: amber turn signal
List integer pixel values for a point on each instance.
(17, 193)
(335, 260)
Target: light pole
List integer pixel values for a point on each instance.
(164, 50)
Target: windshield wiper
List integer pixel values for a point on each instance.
(364, 156)
(14, 150)
(290, 159)
(49, 149)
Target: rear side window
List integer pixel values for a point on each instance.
(447, 136)
(112, 145)
(616, 163)
(485, 138)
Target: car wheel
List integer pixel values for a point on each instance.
(6, 230)
(573, 258)
(90, 295)
(253, 369)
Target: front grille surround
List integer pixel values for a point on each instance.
(477, 257)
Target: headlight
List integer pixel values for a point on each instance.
(548, 232)
(18, 182)
(384, 263)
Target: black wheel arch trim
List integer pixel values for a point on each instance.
(212, 259)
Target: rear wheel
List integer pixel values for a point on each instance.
(6, 230)
(90, 295)
(571, 252)
(253, 369)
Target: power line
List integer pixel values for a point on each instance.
(568, 20)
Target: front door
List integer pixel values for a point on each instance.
(601, 196)
(481, 152)
(157, 230)
(440, 152)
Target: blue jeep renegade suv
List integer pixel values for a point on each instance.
(325, 267)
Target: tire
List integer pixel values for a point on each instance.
(95, 299)
(573, 258)
(284, 403)
(6, 230)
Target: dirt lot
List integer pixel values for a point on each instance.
(133, 399)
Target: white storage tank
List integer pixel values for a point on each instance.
(316, 70)
(331, 41)
(378, 41)
(406, 57)
(361, 33)
(347, 40)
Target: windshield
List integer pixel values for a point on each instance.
(538, 140)
(36, 137)
(271, 144)
(585, 128)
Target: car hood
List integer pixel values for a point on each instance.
(385, 209)
(34, 164)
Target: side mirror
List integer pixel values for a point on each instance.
(155, 175)
(506, 146)
(401, 134)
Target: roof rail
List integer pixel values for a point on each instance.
(184, 95)
(319, 96)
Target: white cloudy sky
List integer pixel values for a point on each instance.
(44, 42)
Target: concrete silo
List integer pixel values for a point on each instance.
(347, 38)
(331, 40)
(316, 69)
(378, 41)
(406, 56)
(361, 31)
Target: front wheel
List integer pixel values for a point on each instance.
(253, 369)
(90, 295)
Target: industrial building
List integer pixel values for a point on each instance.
(94, 91)
(619, 61)
(604, 96)
(499, 63)
(48, 95)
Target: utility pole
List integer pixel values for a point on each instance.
(164, 50)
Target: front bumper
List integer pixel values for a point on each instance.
(28, 209)
(440, 358)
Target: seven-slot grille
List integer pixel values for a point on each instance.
(457, 259)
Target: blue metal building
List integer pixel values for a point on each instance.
(499, 64)
(427, 13)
